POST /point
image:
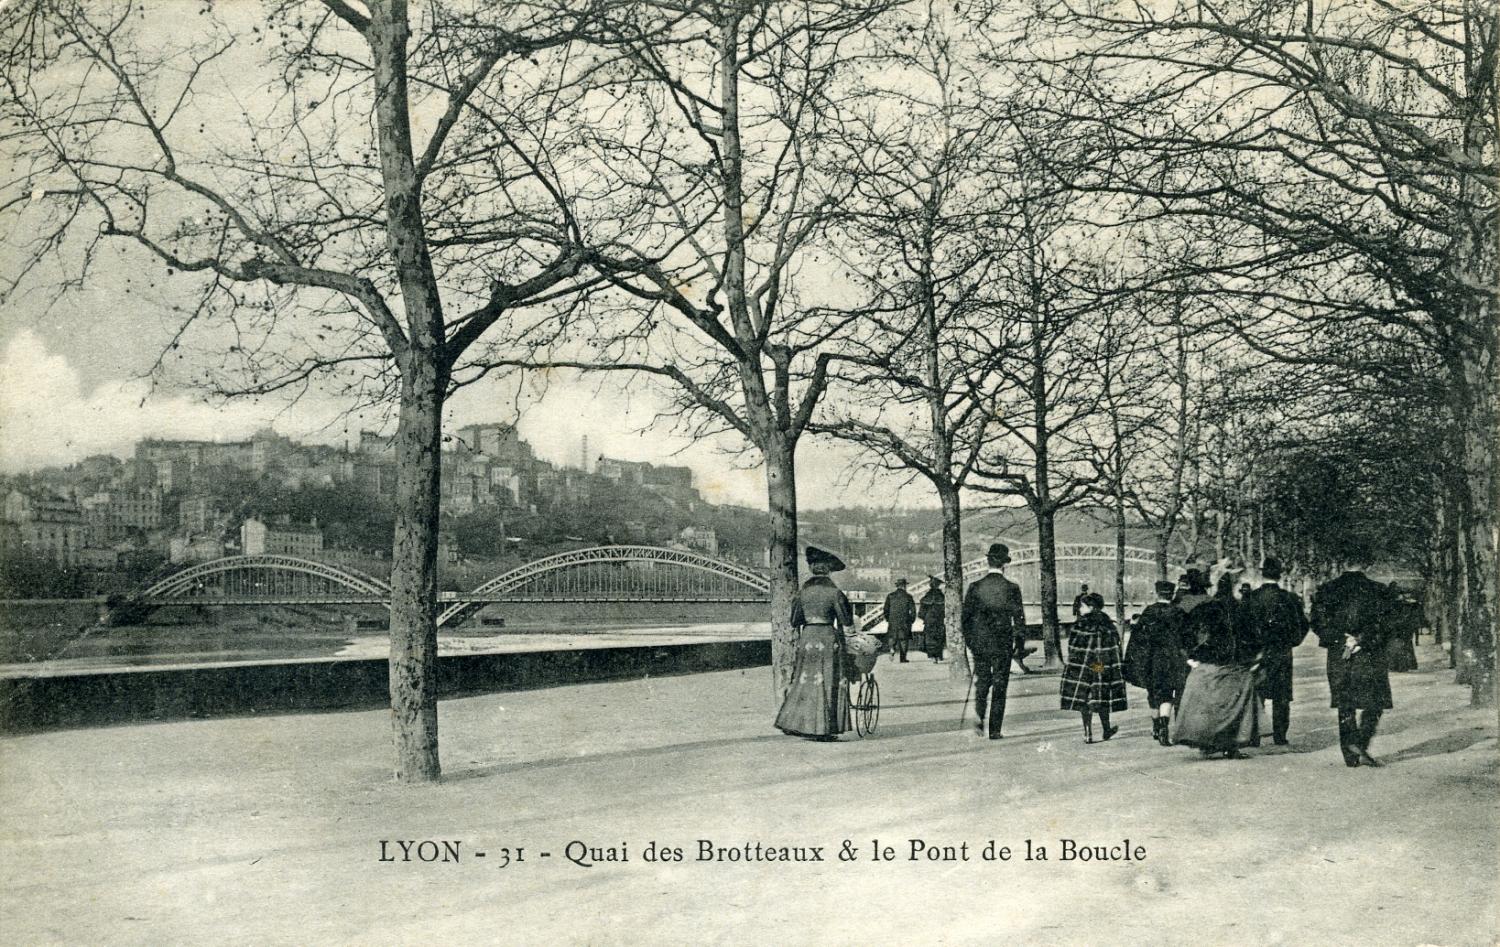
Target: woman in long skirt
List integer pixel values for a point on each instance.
(1093, 680)
(1219, 711)
(817, 702)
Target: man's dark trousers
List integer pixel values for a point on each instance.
(1356, 732)
(991, 672)
(1281, 719)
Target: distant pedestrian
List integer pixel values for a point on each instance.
(933, 612)
(1277, 620)
(899, 613)
(1079, 601)
(1093, 680)
(1156, 659)
(817, 702)
(992, 610)
(1350, 616)
(1219, 712)
(1407, 620)
(1244, 590)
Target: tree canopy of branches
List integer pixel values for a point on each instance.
(1343, 156)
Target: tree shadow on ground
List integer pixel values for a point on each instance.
(1447, 743)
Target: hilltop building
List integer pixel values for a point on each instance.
(280, 538)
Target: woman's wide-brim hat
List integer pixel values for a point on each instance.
(822, 557)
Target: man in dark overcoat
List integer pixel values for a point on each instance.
(1157, 658)
(899, 612)
(933, 610)
(1278, 622)
(992, 614)
(1349, 616)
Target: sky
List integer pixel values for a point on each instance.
(73, 384)
(76, 375)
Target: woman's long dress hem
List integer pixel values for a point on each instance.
(817, 702)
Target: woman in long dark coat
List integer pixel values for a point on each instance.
(817, 702)
(1093, 680)
(1157, 657)
(932, 611)
(1219, 711)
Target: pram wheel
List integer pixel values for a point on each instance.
(866, 706)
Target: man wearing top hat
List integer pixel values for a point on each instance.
(1276, 619)
(992, 614)
(933, 610)
(900, 612)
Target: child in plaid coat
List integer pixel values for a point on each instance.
(1093, 680)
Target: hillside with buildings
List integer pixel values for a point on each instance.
(105, 523)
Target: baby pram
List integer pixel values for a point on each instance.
(862, 652)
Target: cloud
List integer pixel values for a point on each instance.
(48, 415)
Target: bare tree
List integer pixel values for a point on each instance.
(350, 191)
(1037, 452)
(1129, 377)
(715, 136)
(919, 235)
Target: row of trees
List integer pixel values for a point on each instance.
(1085, 255)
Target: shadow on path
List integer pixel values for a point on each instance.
(1447, 743)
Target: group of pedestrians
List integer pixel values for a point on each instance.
(1208, 662)
(901, 612)
(1210, 665)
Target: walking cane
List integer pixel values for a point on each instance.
(963, 715)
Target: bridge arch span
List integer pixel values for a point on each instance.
(192, 582)
(576, 576)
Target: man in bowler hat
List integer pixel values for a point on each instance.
(1276, 619)
(900, 612)
(992, 615)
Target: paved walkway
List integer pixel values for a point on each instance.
(269, 830)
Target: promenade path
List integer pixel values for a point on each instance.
(268, 830)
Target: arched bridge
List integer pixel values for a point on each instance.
(600, 574)
(1077, 564)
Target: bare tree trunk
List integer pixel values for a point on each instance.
(1119, 555)
(413, 662)
(953, 578)
(1163, 550)
(781, 493)
(1442, 577)
(414, 581)
(1477, 558)
(1046, 539)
